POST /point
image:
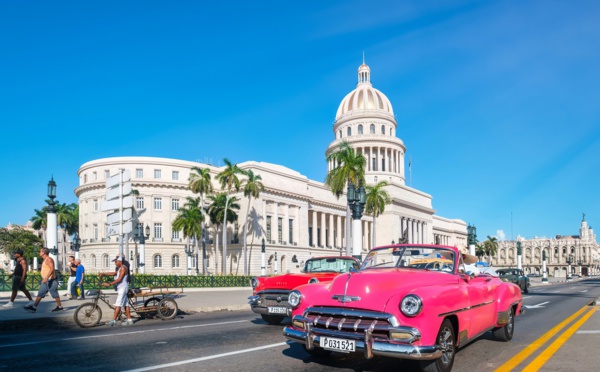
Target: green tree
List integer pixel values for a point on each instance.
(219, 214)
(479, 250)
(252, 187)
(491, 247)
(349, 166)
(40, 221)
(19, 238)
(200, 183)
(189, 220)
(229, 181)
(377, 199)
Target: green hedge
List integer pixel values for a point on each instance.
(32, 282)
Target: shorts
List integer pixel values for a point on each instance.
(16, 283)
(122, 300)
(50, 286)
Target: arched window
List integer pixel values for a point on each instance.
(106, 261)
(158, 261)
(372, 129)
(383, 129)
(340, 134)
(349, 131)
(360, 129)
(175, 260)
(93, 258)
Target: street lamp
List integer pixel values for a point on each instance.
(356, 201)
(52, 226)
(203, 251)
(519, 256)
(544, 273)
(570, 260)
(189, 251)
(75, 245)
(139, 236)
(262, 258)
(471, 238)
(579, 263)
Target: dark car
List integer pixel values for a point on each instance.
(515, 276)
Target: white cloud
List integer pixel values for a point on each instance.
(500, 235)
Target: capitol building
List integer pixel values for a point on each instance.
(297, 217)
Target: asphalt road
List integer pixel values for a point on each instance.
(241, 341)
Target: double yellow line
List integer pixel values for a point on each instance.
(541, 359)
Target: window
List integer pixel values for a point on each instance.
(193, 262)
(268, 228)
(310, 237)
(374, 164)
(280, 229)
(106, 261)
(372, 129)
(236, 238)
(360, 129)
(175, 176)
(95, 233)
(175, 204)
(157, 174)
(383, 129)
(158, 231)
(85, 178)
(158, 204)
(175, 260)
(175, 235)
(139, 173)
(93, 259)
(94, 176)
(339, 134)
(106, 174)
(290, 231)
(349, 131)
(139, 202)
(157, 261)
(383, 165)
(95, 205)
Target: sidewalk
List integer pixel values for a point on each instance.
(190, 301)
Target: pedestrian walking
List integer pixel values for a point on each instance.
(48, 284)
(78, 282)
(121, 285)
(18, 279)
(72, 270)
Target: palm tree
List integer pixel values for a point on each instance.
(479, 250)
(228, 178)
(40, 221)
(377, 199)
(220, 214)
(189, 221)
(491, 247)
(199, 183)
(350, 168)
(252, 188)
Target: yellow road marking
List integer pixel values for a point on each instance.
(525, 353)
(538, 362)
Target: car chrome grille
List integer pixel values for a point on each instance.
(353, 323)
(274, 298)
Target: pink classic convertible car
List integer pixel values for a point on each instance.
(408, 302)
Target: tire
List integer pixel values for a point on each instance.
(445, 340)
(272, 319)
(505, 333)
(525, 288)
(87, 315)
(167, 308)
(151, 302)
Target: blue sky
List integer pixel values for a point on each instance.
(496, 101)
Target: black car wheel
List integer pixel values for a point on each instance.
(505, 333)
(445, 340)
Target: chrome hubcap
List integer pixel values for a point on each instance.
(447, 345)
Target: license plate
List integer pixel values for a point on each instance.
(338, 344)
(277, 310)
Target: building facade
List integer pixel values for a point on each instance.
(580, 253)
(297, 217)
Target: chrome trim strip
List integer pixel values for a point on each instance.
(465, 309)
(346, 313)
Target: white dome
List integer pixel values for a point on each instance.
(364, 97)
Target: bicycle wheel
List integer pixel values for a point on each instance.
(152, 305)
(167, 308)
(87, 315)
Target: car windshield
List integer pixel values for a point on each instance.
(424, 258)
(340, 265)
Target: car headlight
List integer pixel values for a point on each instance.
(254, 282)
(294, 298)
(313, 280)
(411, 305)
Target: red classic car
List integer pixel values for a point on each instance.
(270, 294)
(408, 302)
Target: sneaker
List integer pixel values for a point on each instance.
(112, 323)
(58, 308)
(30, 303)
(30, 308)
(128, 322)
(10, 304)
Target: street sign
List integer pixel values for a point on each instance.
(111, 205)
(116, 179)
(115, 216)
(114, 192)
(114, 228)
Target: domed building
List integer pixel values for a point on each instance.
(297, 217)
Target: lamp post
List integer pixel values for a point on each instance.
(75, 245)
(544, 273)
(262, 258)
(519, 256)
(140, 237)
(356, 202)
(276, 264)
(579, 263)
(569, 262)
(189, 251)
(203, 251)
(471, 238)
(52, 226)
